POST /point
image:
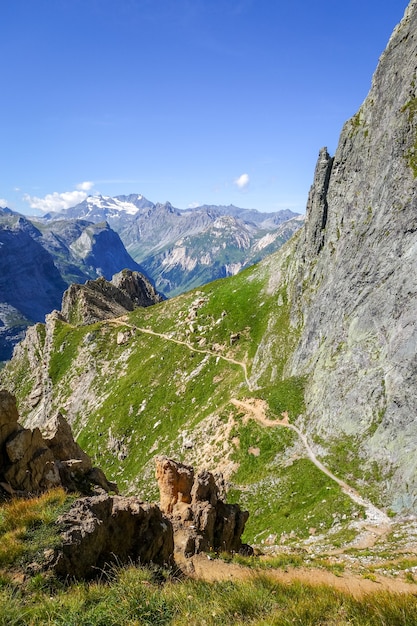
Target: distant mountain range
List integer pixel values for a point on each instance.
(178, 250)
(182, 249)
(39, 260)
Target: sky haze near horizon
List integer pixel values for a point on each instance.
(191, 101)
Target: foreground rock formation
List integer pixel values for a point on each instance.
(32, 462)
(101, 530)
(191, 518)
(200, 519)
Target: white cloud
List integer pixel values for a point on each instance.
(56, 201)
(194, 205)
(242, 181)
(3, 203)
(85, 186)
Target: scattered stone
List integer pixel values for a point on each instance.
(234, 337)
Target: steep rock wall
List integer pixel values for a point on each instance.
(356, 296)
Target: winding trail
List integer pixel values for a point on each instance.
(255, 408)
(120, 322)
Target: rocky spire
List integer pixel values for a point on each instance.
(317, 205)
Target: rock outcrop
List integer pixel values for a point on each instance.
(200, 519)
(100, 530)
(100, 299)
(32, 463)
(103, 529)
(137, 287)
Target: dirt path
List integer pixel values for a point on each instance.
(202, 567)
(121, 321)
(256, 409)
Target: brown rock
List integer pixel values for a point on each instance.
(201, 520)
(101, 530)
(58, 436)
(32, 463)
(175, 482)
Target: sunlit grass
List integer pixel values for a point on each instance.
(138, 596)
(27, 525)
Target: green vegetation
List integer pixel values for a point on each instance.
(66, 343)
(292, 502)
(286, 396)
(170, 386)
(356, 123)
(27, 527)
(30, 594)
(136, 596)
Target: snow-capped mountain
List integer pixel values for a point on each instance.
(181, 249)
(105, 208)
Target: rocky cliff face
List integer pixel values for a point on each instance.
(357, 285)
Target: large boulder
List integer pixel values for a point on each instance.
(30, 465)
(100, 530)
(175, 482)
(201, 519)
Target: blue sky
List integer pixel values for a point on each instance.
(191, 101)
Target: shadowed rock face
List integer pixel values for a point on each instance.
(101, 530)
(31, 462)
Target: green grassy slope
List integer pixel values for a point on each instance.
(163, 380)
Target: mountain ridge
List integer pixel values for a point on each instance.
(39, 261)
(154, 234)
